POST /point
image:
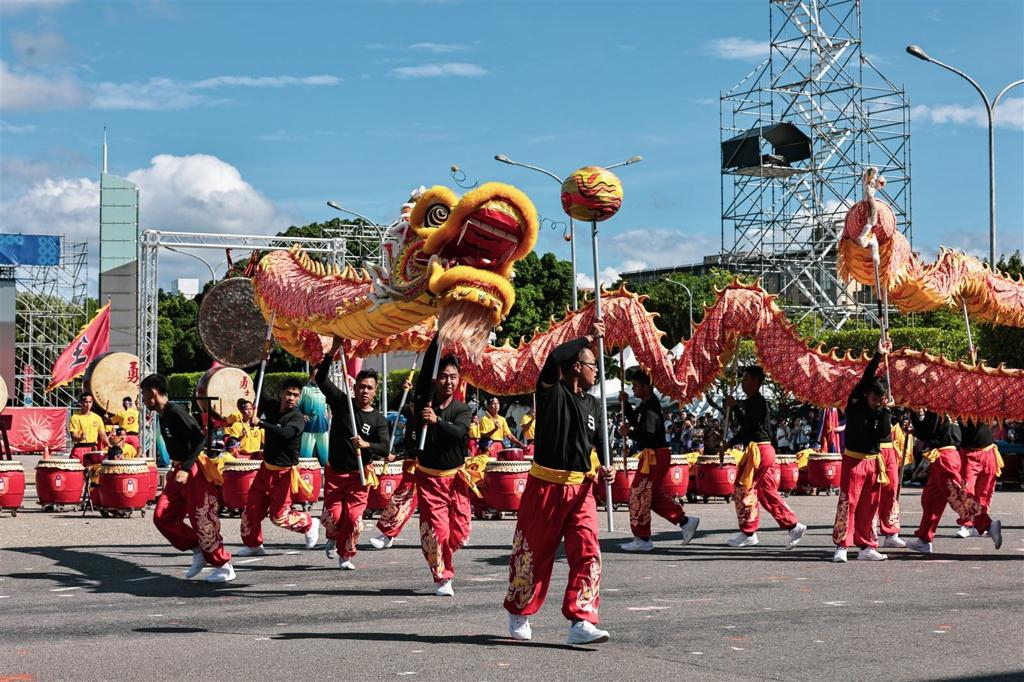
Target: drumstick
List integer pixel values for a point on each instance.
(352, 415)
(401, 403)
(263, 363)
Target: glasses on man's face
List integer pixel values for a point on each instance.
(591, 365)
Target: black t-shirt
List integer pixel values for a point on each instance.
(372, 426)
(647, 424)
(567, 423)
(445, 446)
(283, 438)
(182, 435)
(751, 414)
(937, 430)
(866, 429)
(975, 435)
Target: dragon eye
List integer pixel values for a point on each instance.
(437, 214)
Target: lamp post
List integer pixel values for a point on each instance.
(572, 227)
(990, 106)
(690, 294)
(384, 356)
(213, 275)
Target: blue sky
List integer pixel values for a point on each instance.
(246, 117)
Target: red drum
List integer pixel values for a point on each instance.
(313, 475)
(390, 475)
(506, 481)
(714, 478)
(510, 455)
(495, 449)
(620, 486)
(154, 480)
(59, 481)
(677, 480)
(124, 484)
(238, 477)
(789, 472)
(824, 470)
(529, 451)
(12, 485)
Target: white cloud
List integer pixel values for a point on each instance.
(609, 276)
(739, 48)
(264, 81)
(438, 70)
(9, 7)
(658, 247)
(1009, 114)
(156, 94)
(20, 91)
(39, 48)
(439, 48)
(10, 129)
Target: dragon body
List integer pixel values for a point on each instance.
(953, 280)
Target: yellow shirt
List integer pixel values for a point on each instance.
(88, 426)
(128, 451)
(250, 438)
(529, 425)
(128, 420)
(494, 429)
(474, 431)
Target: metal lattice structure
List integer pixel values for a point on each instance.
(782, 221)
(50, 310)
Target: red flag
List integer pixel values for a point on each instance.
(91, 342)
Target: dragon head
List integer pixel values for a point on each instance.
(461, 252)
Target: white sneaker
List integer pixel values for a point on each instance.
(381, 541)
(964, 532)
(894, 541)
(313, 534)
(584, 632)
(331, 549)
(741, 539)
(840, 556)
(445, 589)
(245, 550)
(198, 564)
(796, 534)
(995, 531)
(690, 528)
(919, 546)
(637, 545)
(346, 564)
(225, 573)
(870, 554)
(519, 628)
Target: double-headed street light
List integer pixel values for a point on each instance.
(990, 106)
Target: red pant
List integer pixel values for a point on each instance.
(78, 452)
(400, 507)
(978, 473)
(945, 487)
(444, 520)
(859, 492)
(555, 512)
(197, 499)
(647, 493)
(764, 491)
(271, 495)
(888, 503)
(344, 504)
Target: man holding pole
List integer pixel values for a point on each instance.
(559, 496)
(981, 465)
(344, 495)
(403, 501)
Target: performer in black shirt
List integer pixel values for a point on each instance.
(558, 501)
(646, 425)
(278, 478)
(868, 425)
(402, 503)
(344, 497)
(980, 467)
(757, 474)
(442, 487)
(946, 479)
(187, 491)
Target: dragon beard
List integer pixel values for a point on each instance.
(467, 325)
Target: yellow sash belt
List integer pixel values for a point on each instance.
(648, 460)
(747, 464)
(472, 472)
(803, 457)
(935, 453)
(691, 457)
(883, 475)
(297, 482)
(561, 477)
(213, 469)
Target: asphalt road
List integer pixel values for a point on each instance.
(101, 599)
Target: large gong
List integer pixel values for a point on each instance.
(3, 394)
(231, 326)
(111, 378)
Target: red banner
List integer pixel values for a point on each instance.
(33, 428)
(91, 342)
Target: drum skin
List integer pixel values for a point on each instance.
(124, 484)
(510, 455)
(111, 378)
(506, 481)
(12, 484)
(59, 481)
(227, 385)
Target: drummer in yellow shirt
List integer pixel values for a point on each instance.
(87, 431)
(128, 419)
(494, 428)
(119, 439)
(529, 425)
(242, 426)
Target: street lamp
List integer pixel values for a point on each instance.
(213, 275)
(690, 294)
(917, 51)
(384, 356)
(572, 227)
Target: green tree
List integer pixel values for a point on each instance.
(1000, 344)
(543, 290)
(178, 347)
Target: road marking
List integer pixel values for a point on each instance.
(961, 594)
(5, 596)
(399, 601)
(289, 585)
(417, 651)
(648, 608)
(697, 653)
(410, 672)
(156, 615)
(836, 603)
(262, 639)
(248, 561)
(939, 632)
(64, 589)
(293, 552)
(139, 580)
(737, 648)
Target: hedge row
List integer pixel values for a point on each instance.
(952, 344)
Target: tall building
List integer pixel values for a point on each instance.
(119, 257)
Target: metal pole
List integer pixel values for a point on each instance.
(605, 453)
(263, 363)
(970, 341)
(572, 256)
(401, 405)
(433, 379)
(352, 414)
(690, 295)
(384, 385)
